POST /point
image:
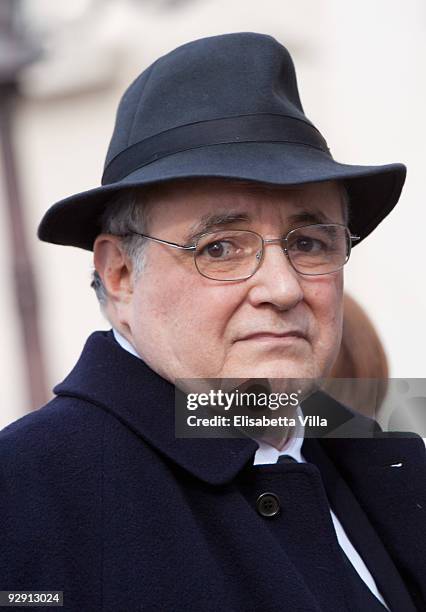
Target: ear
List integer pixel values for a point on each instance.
(114, 267)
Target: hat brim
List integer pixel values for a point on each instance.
(373, 190)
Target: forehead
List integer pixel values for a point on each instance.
(186, 203)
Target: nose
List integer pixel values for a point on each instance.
(275, 282)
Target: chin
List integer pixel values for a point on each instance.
(276, 369)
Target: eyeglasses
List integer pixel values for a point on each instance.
(234, 255)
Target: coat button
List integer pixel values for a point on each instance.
(268, 504)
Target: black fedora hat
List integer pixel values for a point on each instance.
(225, 106)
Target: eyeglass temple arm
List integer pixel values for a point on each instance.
(172, 244)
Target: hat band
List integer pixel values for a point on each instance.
(246, 128)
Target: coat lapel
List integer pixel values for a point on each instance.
(387, 476)
(109, 377)
(359, 528)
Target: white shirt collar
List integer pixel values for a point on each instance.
(293, 447)
(125, 343)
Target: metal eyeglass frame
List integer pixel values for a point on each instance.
(282, 241)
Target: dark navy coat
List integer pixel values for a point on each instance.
(100, 500)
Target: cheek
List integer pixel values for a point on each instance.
(157, 303)
(206, 309)
(184, 306)
(325, 298)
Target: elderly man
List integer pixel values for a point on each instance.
(219, 234)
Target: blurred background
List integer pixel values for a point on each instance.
(63, 66)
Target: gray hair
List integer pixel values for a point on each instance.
(124, 214)
(127, 212)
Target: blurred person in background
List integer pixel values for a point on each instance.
(220, 233)
(361, 367)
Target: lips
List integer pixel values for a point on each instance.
(265, 335)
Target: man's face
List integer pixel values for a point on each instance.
(187, 326)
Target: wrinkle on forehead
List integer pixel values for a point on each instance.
(204, 205)
(212, 221)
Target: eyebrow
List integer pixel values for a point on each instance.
(309, 216)
(213, 221)
(210, 222)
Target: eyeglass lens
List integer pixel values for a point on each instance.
(236, 254)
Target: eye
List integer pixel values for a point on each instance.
(227, 247)
(306, 244)
(219, 249)
(215, 249)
